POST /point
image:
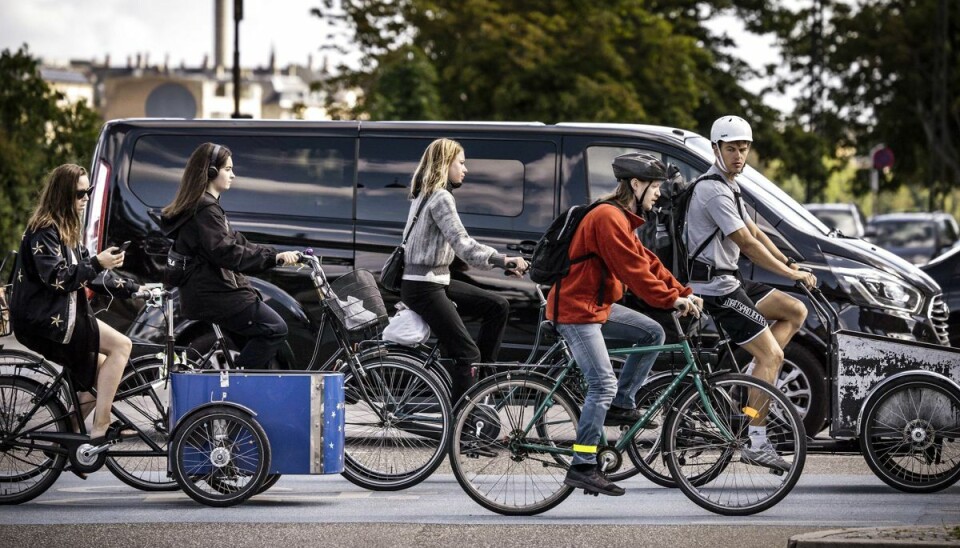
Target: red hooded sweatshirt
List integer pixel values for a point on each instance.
(608, 231)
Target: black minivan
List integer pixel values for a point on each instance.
(341, 189)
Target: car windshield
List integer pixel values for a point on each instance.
(920, 234)
(840, 220)
(767, 192)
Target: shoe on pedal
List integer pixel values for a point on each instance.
(765, 455)
(592, 481)
(622, 416)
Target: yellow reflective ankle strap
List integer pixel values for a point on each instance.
(584, 448)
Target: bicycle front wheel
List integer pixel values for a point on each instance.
(397, 424)
(512, 443)
(143, 396)
(28, 467)
(705, 454)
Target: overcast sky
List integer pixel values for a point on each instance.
(85, 29)
(60, 30)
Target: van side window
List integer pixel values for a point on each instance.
(600, 179)
(289, 176)
(509, 184)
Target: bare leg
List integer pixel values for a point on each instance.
(785, 313)
(768, 357)
(116, 347)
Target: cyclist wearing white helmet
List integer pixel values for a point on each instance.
(717, 231)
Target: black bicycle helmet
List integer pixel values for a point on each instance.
(639, 165)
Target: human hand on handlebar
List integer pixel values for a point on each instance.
(806, 278)
(516, 266)
(288, 257)
(688, 306)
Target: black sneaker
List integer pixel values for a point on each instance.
(592, 481)
(621, 416)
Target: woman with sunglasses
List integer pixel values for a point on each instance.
(49, 308)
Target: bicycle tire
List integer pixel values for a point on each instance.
(397, 425)
(27, 472)
(494, 468)
(735, 487)
(149, 414)
(221, 456)
(910, 434)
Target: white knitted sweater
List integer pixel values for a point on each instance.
(437, 237)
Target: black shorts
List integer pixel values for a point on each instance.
(736, 312)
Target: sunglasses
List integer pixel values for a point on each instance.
(81, 194)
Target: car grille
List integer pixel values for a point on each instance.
(939, 314)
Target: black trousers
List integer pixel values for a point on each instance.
(262, 332)
(434, 302)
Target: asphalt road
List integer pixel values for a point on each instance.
(834, 492)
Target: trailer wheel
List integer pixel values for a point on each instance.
(910, 434)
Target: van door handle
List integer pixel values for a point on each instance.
(525, 247)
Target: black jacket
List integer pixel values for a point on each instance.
(215, 287)
(49, 282)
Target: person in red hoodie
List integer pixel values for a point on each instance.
(586, 302)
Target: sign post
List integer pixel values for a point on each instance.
(882, 158)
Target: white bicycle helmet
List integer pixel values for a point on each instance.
(730, 128)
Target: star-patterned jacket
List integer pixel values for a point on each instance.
(49, 282)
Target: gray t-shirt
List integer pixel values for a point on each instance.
(713, 205)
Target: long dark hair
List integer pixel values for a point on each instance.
(57, 205)
(194, 181)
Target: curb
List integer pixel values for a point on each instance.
(932, 536)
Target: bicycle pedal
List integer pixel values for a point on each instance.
(588, 492)
(775, 472)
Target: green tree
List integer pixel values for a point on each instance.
(879, 71)
(635, 61)
(548, 60)
(36, 135)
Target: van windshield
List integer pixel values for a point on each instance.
(764, 190)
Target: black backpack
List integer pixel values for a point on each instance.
(663, 231)
(551, 260)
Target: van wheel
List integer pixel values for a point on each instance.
(801, 379)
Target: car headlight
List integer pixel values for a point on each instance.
(875, 288)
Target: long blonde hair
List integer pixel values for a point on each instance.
(57, 205)
(195, 180)
(434, 169)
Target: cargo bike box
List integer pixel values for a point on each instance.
(235, 432)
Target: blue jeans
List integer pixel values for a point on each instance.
(629, 325)
(590, 352)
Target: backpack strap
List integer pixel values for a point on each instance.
(737, 198)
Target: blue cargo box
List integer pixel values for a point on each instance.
(301, 413)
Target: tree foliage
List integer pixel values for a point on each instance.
(549, 60)
(36, 135)
(878, 71)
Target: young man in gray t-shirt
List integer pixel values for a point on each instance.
(717, 232)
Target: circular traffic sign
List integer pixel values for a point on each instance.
(883, 158)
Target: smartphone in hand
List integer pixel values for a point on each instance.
(123, 247)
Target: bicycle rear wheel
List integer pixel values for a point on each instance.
(506, 459)
(709, 466)
(137, 462)
(28, 467)
(397, 424)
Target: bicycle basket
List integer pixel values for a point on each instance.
(356, 301)
(5, 325)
